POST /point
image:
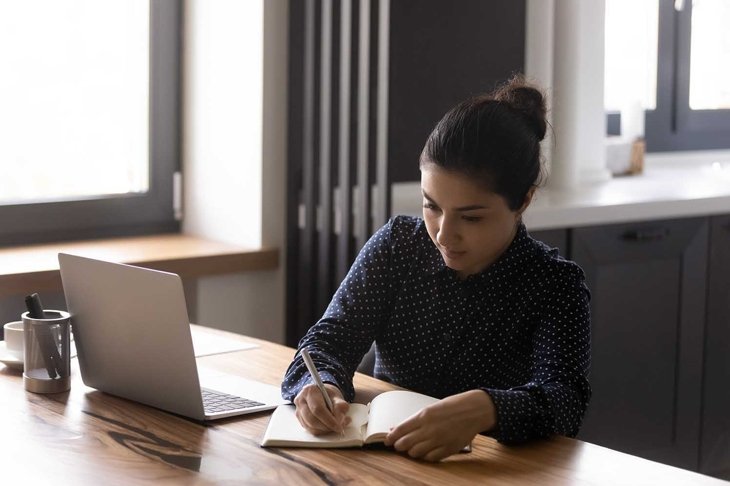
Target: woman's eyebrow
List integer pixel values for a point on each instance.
(463, 208)
(425, 194)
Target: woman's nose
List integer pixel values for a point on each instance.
(446, 235)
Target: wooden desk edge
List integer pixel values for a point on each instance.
(34, 268)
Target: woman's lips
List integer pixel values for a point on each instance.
(451, 254)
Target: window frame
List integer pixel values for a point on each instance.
(673, 126)
(126, 214)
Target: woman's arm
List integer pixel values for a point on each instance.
(552, 402)
(339, 340)
(555, 399)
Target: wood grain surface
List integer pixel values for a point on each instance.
(33, 268)
(86, 437)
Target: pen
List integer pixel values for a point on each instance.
(318, 381)
(51, 358)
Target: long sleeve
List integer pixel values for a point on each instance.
(519, 330)
(339, 340)
(555, 399)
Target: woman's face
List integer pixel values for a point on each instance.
(469, 225)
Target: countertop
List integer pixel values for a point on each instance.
(671, 186)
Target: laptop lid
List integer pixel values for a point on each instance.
(132, 334)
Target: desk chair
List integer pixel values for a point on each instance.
(367, 365)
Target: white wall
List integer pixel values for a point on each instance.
(235, 153)
(223, 111)
(564, 52)
(539, 50)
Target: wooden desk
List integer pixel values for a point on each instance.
(85, 437)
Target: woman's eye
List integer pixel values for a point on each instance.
(430, 206)
(472, 219)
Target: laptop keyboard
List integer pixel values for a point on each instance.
(215, 402)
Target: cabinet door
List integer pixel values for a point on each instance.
(715, 449)
(648, 299)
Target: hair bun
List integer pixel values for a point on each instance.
(526, 99)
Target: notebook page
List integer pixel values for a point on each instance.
(284, 430)
(391, 408)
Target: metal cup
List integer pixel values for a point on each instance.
(47, 352)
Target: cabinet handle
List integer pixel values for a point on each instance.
(645, 235)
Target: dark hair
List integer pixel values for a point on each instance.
(494, 138)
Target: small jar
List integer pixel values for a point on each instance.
(47, 353)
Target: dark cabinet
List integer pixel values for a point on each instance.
(648, 283)
(715, 448)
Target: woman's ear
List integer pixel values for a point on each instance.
(528, 200)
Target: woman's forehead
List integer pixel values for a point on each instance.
(454, 188)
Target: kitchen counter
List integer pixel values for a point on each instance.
(670, 187)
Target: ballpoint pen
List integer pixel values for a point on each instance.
(318, 381)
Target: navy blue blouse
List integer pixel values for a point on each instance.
(519, 330)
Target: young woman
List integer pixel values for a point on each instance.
(463, 305)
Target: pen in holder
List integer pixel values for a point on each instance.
(47, 352)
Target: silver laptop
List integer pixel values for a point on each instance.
(133, 340)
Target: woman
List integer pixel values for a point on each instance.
(463, 304)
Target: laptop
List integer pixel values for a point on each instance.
(133, 340)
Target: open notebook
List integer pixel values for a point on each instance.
(370, 423)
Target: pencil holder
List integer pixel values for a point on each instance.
(47, 352)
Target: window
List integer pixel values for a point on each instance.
(709, 76)
(89, 129)
(673, 58)
(631, 48)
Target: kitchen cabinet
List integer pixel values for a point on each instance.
(715, 447)
(648, 283)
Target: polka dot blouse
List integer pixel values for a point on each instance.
(519, 330)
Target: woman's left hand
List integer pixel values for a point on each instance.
(444, 428)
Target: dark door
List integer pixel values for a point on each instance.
(715, 451)
(648, 282)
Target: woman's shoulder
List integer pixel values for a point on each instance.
(550, 261)
(401, 234)
(408, 236)
(407, 229)
(553, 277)
(405, 223)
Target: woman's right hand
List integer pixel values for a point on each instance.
(312, 410)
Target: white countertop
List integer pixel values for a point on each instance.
(671, 186)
